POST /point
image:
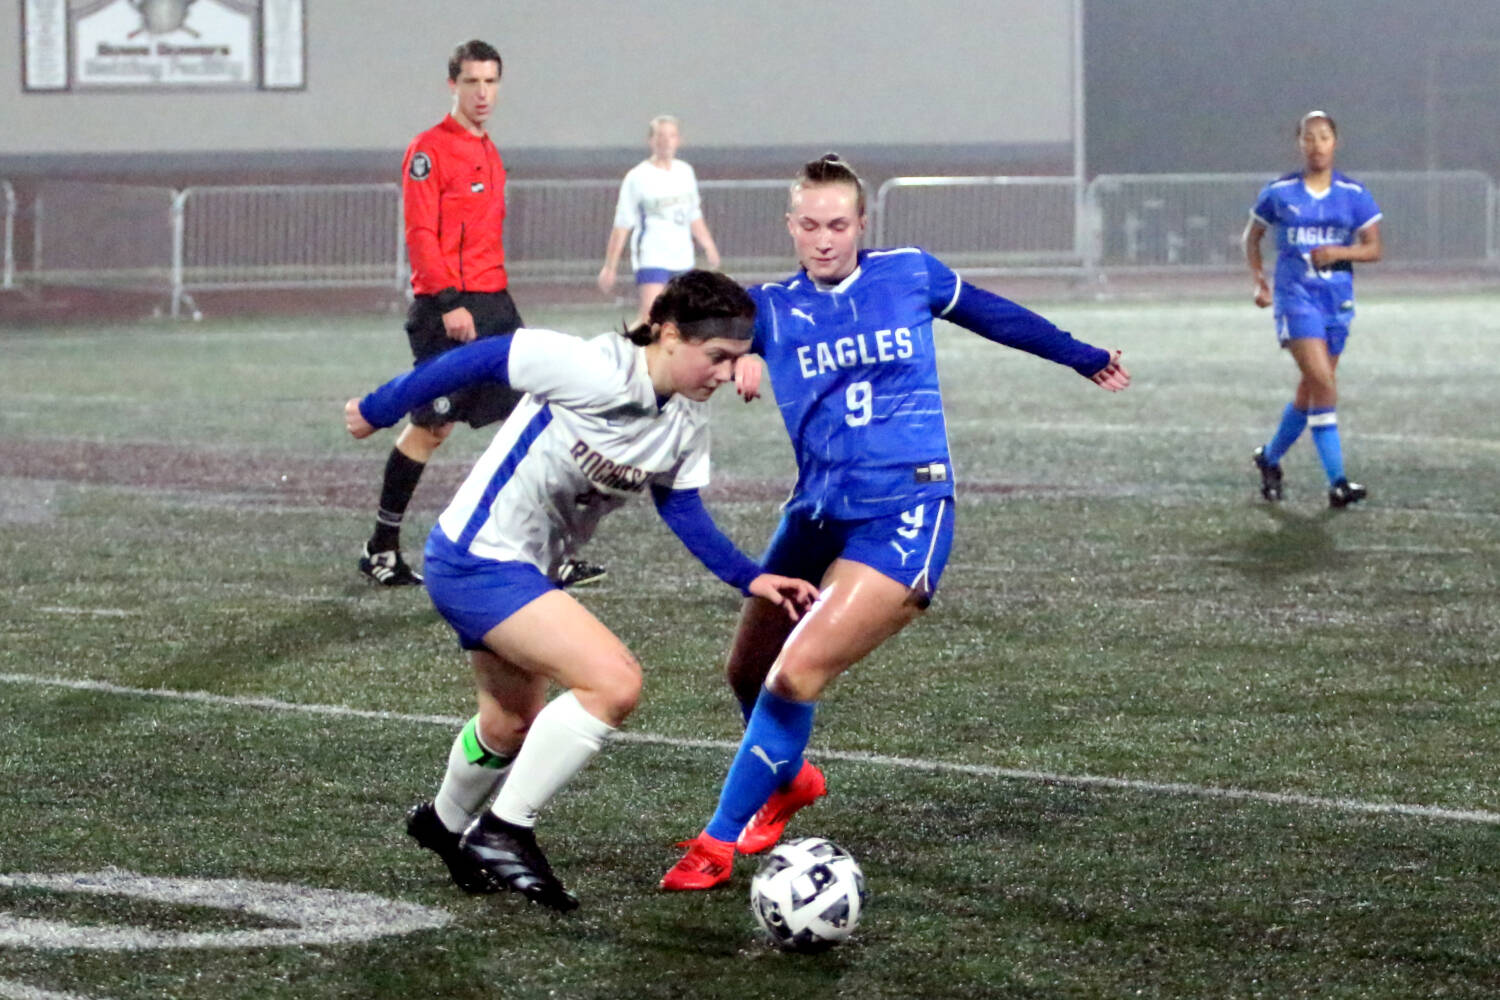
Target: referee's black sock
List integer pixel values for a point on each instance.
(401, 475)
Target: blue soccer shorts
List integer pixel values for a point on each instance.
(655, 275)
(910, 547)
(1309, 322)
(474, 595)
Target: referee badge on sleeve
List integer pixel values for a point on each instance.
(421, 166)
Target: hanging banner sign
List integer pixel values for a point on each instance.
(144, 44)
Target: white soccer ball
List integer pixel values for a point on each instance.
(808, 894)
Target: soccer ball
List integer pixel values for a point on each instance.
(808, 894)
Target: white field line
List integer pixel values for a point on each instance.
(1199, 430)
(12, 989)
(882, 760)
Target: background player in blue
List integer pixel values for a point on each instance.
(1325, 222)
(603, 420)
(849, 346)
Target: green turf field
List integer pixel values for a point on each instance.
(1154, 738)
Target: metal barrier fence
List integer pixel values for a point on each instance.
(556, 230)
(748, 219)
(8, 235)
(1170, 219)
(323, 236)
(1195, 220)
(985, 223)
(1438, 217)
(285, 236)
(102, 236)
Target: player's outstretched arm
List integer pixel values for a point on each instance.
(997, 318)
(1112, 376)
(477, 362)
(684, 513)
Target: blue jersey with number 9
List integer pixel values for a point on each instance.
(855, 376)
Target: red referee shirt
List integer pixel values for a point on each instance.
(453, 198)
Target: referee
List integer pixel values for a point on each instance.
(453, 197)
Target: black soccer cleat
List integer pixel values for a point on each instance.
(1345, 493)
(511, 858)
(388, 568)
(423, 826)
(1270, 475)
(577, 573)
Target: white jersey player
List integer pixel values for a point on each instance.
(603, 420)
(589, 435)
(660, 214)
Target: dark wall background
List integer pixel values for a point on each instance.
(1215, 85)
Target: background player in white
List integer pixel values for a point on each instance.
(604, 420)
(660, 213)
(849, 347)
(1325, 223)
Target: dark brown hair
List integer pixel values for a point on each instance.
(473, 51)
(703, 305)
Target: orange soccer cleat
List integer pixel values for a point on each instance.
(708, 862)
(766, 826)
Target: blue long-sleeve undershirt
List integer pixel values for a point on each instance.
(996, 318)
(684, 513)
(478, 361)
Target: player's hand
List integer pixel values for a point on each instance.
(747, 374)
(1262, 293)
(787, 592)
(711, 258)
(459, 325)
(1326, 255)
(606, 280)
(355, 421)
(1112, 376)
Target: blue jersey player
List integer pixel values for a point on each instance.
(1325, 222)
(849, 346)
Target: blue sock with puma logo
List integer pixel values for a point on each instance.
(770, 755)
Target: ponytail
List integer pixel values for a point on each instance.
(830, 168)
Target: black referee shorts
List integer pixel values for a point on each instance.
(479, 404)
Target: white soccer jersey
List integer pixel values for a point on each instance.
(586, 438)
(660, 206)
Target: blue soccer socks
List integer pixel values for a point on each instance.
(770, 754)
(1293, 421)
(1324, 422)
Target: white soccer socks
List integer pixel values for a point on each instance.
(474, 771)
(564, 737)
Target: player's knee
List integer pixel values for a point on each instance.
(1322, 390)
(614, 689)
(799, 677)
(503, 730)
